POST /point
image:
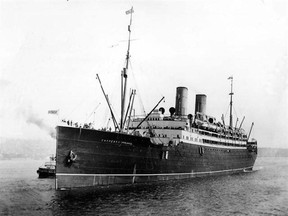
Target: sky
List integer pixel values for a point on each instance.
(52, 50)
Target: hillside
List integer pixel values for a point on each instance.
(26, 148)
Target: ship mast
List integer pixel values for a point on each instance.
(124, 74)
(231, 102)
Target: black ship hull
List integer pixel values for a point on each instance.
(87, 157)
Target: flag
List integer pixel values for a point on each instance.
(54, 112)
(130, 11)
(231, 77)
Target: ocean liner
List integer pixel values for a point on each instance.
(154, 147)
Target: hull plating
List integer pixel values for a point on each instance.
(108, 158)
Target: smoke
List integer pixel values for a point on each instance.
(18, 116)
(32, 118)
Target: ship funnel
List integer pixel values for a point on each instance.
(181, 101)
(200, 103)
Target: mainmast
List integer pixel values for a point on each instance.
(124, 74)
(231, 102)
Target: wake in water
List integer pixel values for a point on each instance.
(254, 169)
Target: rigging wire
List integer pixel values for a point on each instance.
(93, 112)
(142, 105)
(227, 111)
(235, 112)
(137, 87)
(138, 90)
(76, 107)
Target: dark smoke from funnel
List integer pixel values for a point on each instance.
(32, 118)
(42, 125)
(17, 107)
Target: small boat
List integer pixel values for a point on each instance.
(48, 169)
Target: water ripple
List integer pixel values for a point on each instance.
(264, 192)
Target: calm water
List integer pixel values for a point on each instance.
(263, 192)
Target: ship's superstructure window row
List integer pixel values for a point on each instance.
(222, 143)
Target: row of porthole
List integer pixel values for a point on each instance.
(224, 150)
(222, 143)
(202, 150)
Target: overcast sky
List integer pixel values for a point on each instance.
(51, 51)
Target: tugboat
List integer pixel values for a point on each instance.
(48, 169)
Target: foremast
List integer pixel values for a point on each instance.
(124, 74)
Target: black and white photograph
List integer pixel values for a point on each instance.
(144, 107)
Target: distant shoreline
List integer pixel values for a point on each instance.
(272, 152)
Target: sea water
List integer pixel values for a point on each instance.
(261, 192)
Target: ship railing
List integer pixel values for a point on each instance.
(221, 135)
(51, 163)
(223, 143)
(157, 127)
